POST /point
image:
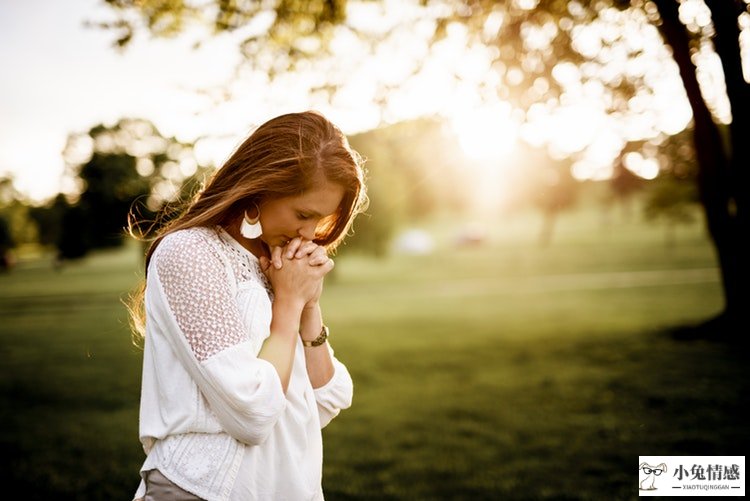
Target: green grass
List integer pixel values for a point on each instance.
(506, 371)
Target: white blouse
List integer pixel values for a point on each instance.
(213, 417)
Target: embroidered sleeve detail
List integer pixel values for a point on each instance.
(195, 282)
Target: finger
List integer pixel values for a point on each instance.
(276, 257)
(327, 266)
(317, 261)
(264, 263)
(292, 247)
(318, 257)
(306, 248)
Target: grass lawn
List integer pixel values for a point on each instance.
(504, 371)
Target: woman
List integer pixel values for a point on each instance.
(238, 375)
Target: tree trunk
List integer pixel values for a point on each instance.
(725, 14)
(549, 217)
(714, 179)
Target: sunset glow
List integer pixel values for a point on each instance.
(452, 81)
(487, 133)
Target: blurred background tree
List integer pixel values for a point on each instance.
(15, 219)
(6, 244)
(407, 181)
(111, 171)
(537, 50)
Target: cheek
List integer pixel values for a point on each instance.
(278, 222)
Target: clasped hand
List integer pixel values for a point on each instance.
(296, 271)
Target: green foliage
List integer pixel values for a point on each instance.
(126, 167)
(673, 195)
(301, 30)
(16, 225)
(624, 183)
(372, 231)
(671, 199)
(6, 239)
(6, 243)
(75, 240)
(414, 173)
(48, 220)
(112, 185)
(18, 219)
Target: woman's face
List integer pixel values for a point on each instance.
(283, 219)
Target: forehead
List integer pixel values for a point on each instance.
(322, 199)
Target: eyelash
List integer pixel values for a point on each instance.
(303, 216)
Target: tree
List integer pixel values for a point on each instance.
(6, 244)
(16, 224)
(553, 189)
(671, 201)
(722, 173)
(117, 170)
(413, 172)
(535, 48)
(48, 220)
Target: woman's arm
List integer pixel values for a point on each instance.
(193, 314)
(278, 348)
(317, 358)
(329, 378)
(297, 286)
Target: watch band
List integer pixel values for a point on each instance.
(322, 337)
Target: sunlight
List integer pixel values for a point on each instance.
(647, 168)
(487, 133)
(179, 86)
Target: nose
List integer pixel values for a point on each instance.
(308, 230)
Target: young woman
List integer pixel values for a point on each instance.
(238, 374)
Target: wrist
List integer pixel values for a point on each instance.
(289, 303)
(319, 340)
(311, 305)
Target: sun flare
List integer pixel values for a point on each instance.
(487, 133)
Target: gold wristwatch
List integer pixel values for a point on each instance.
(318, 340)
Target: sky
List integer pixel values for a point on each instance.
(60, 77)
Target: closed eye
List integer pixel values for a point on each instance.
(303, 217)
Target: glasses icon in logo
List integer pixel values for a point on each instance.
(648, 474)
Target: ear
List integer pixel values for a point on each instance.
(663, 467)
(642, 465)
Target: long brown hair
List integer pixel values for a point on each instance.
(285, 156)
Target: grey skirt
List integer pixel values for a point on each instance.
(160, 488)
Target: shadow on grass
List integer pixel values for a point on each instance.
(559, 419)
(718, 329)
(562, 418)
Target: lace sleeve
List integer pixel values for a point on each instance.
(194, 279)
(191, 304)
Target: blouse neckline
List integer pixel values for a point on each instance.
(228, 238)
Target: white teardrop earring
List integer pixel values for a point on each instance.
(250, 228)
